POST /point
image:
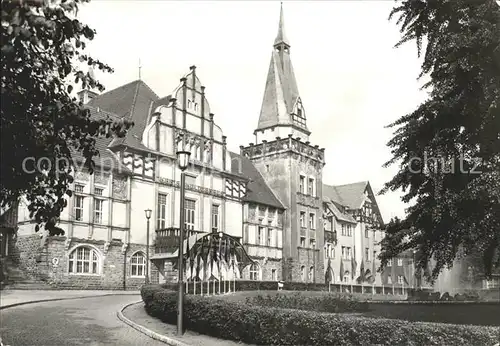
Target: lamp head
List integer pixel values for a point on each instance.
(183, 159)
(148, 213)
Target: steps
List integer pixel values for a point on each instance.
(16, 279)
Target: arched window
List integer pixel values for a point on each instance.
(138, 264)
(84, 260)
(346, 277)
(254, 271)
(303, 273)
(311, 274)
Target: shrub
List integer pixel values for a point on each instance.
(320, 303)
(273, 326)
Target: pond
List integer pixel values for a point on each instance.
(486, 314)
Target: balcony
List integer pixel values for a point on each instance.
(331, 237)
(190, 187)
(167, 239)
(308, 200)
(263, 251)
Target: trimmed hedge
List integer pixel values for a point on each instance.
(322, 303)
(273, 326)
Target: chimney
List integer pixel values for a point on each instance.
(85, 96)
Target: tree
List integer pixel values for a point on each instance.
(42, 45)
(449, 147)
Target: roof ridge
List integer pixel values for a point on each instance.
(132, 107)
(121, 86)
(147, 86)
(358, 182)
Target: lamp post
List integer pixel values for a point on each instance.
(182, 161)
(148, 216)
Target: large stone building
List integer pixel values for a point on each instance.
(270, 196)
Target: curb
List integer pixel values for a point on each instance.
(146, 331)
(58, 299)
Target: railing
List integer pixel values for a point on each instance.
(190, 187)
(263, 251)
(214, 286)
(285, 144)
(167, 239)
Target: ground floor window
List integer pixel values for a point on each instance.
(84, 260)
(138, 264)
(311, 274)
(254, 272)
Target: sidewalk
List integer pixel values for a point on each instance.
(137, 314)
(18, 297)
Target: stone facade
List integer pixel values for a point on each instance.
(50, 264)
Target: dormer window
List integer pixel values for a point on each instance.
(299, 118)
(189, 104)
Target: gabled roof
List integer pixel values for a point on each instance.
(106, 158)
(349, 195)
(339, 215)
(257, 189)
(132, 101)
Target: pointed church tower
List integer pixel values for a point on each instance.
(291, 166)
(282, 112)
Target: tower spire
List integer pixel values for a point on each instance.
(281, 37)
(281, 105)
(140, 67)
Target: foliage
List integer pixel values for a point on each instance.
(365, 277)
(427, 296)
(321, 303)
(272, 326)
(448, 148)
(42, 42)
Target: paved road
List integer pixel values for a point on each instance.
(88, 321)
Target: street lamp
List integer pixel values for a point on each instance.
(148, 216)
(182, 161)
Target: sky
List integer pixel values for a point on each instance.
(351, 79)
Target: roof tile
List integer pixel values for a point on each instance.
(257, 190)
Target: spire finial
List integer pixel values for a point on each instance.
(281, 37)
(140, 66)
